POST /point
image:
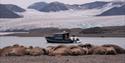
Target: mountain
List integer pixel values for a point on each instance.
(50, 7)
(54, 6)
(57, 6)
(74, 7)
(93, 5)
(6, 13)
(14, 8)
(118, 3)
(114, 11)
(38, 5)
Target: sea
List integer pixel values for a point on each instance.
(41, 41)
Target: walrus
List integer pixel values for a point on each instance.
(118, 49)
(76, 50)
(28, 49)
(17, 51)
(99, 50)
(87, 47)
(16, 45)
(104, 50)
(13, 51)
(36, 51)
(60, 50)
(110, 50)
(49, 49)
(6, 50)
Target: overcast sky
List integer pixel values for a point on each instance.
(25, 3)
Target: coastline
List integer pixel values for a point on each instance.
(111, 31)
(79, 35)
(65, 59)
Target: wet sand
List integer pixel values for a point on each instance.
(65, 59)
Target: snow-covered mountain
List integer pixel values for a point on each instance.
(114, 11)
(7, 13)
(50, 7)
(38, 5)
(57, 6)
(94, 5)
(14, 8)
(64, 19)
(70, 16)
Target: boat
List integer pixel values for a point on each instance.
(62, 37)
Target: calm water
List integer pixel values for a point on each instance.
(41, 42)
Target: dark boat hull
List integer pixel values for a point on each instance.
(52, 40)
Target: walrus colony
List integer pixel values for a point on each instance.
(62, 50)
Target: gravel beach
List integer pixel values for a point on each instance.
(65, 59)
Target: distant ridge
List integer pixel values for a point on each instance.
(38, 5)
(48, 7)
(93, 5)
(14, 8)
(6, 13)
(57, 6)
(114, 11)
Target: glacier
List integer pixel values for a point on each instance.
(63, 19)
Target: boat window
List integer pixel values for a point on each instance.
(58, 36)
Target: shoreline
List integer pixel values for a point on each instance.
(37, 34)
(65, 59)
(112, 31)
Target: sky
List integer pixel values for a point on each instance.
(25, 3)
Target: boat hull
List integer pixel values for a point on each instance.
(53, 40)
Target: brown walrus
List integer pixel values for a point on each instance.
(17, 51)
(103, 50)
(49, 49)
(118, 49)
(5, 51)
(87, 47)
(14, 50)
(35, 51)
(76, 50)
(110, 50)
(60, 51)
